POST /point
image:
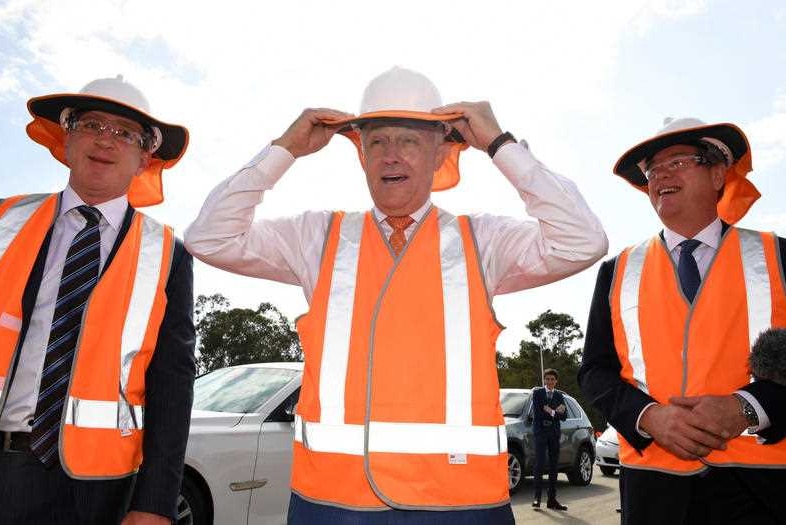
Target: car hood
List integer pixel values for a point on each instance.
(208, 418)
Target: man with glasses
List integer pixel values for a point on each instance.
(670, 331)
(96, 331)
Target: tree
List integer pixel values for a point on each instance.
(235, 336)
(554, 334)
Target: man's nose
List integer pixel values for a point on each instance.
(391, 152)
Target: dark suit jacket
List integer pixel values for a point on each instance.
(169, 379)
(539, 400)
(619, 401)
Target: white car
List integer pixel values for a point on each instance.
(239, 455)
(607, 451)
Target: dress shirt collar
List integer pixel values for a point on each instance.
(112, 211)
(710, 236)
(417, 215)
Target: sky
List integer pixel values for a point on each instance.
(580, 81)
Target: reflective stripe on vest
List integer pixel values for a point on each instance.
(148, 271)
(757, 283)
(89, 413)
(757, 289)
(405, 438)
(17, 215)
(629, 311)
(457, 435)
(338, 324)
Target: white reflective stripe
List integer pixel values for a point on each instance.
(16, 216)
(757, 283)
(90, 413)
(458, 348)
(10, 322)
(503, 438)
(143, 295)
(338, 324)
(629, 312)
(402, 438)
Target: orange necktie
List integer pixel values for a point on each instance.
(397, 238)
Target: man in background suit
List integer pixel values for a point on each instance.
(96, 330)
(670, 332)
(548, 408)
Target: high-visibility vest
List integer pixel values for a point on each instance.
(670, 347)
(399, 405)
(103, 419)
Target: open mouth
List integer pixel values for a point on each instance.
(394, 179)
(668, 190)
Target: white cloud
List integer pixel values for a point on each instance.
(768, 137)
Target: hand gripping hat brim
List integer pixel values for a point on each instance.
(739, 193)
(400, 94)
(118, 98)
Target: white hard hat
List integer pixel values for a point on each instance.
(402, 94)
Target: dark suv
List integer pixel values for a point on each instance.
(577, 443)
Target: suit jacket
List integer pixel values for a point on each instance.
(619, 401)
(540, 400)
(169, 379)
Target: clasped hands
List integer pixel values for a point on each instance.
(692, 427)
(551, 411)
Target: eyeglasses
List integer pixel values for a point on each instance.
(95, 127)
(673, 165)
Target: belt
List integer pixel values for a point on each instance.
(16, 441)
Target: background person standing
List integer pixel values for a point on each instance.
(548, 409)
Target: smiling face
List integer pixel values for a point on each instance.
(102, 166)
(400, 162)
(685, 199)
(550, 381)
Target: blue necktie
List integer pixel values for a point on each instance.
(80, 274)
(687, 268)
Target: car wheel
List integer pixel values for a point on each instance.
(515, 470)
(191, 506)
(581, 473)
(607, 471)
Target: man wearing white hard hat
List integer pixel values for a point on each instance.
(96, 331)
(670, 331)
(399, 409)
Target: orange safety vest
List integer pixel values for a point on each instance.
(668, 347)
(103, 418)
(400, 401)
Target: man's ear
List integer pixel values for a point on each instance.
(718, 176)
(144, 162)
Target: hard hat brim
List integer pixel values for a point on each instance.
(174, 137)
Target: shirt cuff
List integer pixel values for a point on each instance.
(515, 161)
(638, 420)
(764, 420)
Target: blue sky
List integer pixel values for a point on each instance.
(581, 81)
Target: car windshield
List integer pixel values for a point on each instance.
(239, 389)
(513, 403)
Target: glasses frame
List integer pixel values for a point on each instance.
(118, 132)
(670, 167)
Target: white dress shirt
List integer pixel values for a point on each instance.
(515, 253)
(704, 253)
(23, 394)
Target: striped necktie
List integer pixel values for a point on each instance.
(397, 238)
(80, 274)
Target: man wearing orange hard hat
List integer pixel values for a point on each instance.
(96, 331)
(670, 332)
(399, 409)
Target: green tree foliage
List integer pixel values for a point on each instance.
(557, 335)
(234, 336)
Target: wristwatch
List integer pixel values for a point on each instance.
(748, 411)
